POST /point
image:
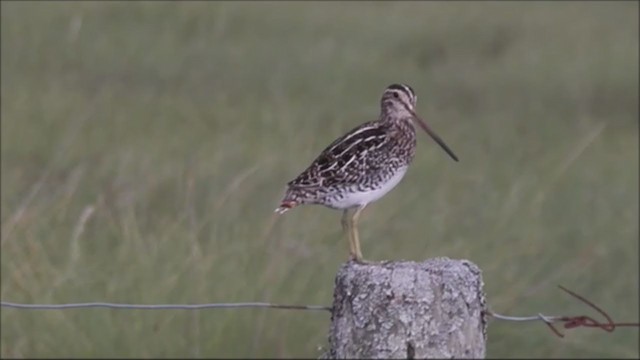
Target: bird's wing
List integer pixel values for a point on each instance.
(347, 159)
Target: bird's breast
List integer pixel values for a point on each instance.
(365, 193)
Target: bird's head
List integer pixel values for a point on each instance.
(398, 99)
(399, 102)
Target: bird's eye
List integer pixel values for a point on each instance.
(395, 94)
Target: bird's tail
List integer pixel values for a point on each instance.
(285, 206)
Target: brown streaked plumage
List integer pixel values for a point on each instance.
(364, 164)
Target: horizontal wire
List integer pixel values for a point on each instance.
(160, 306)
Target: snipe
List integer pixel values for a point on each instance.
(364, 164)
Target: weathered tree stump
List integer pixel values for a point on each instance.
(405, 309)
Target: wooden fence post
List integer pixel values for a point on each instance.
(405, 309)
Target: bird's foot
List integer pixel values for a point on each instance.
(360, 260)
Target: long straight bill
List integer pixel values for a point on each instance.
(433, 135)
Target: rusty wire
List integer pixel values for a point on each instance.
(571, 322)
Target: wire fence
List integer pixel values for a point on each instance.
(568, 322)
(110, 305)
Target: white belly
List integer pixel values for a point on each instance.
(354, 199)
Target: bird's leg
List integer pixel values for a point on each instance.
(355, 236)
(346, 226)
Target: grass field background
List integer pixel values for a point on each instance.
(146, 144)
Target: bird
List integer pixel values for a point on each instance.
(363, 165)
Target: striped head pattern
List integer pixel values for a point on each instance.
(399, 99)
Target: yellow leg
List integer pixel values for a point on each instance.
(355, 236)
(347, 226)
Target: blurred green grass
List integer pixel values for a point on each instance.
(180, 123)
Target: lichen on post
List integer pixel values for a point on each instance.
(406, 309)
